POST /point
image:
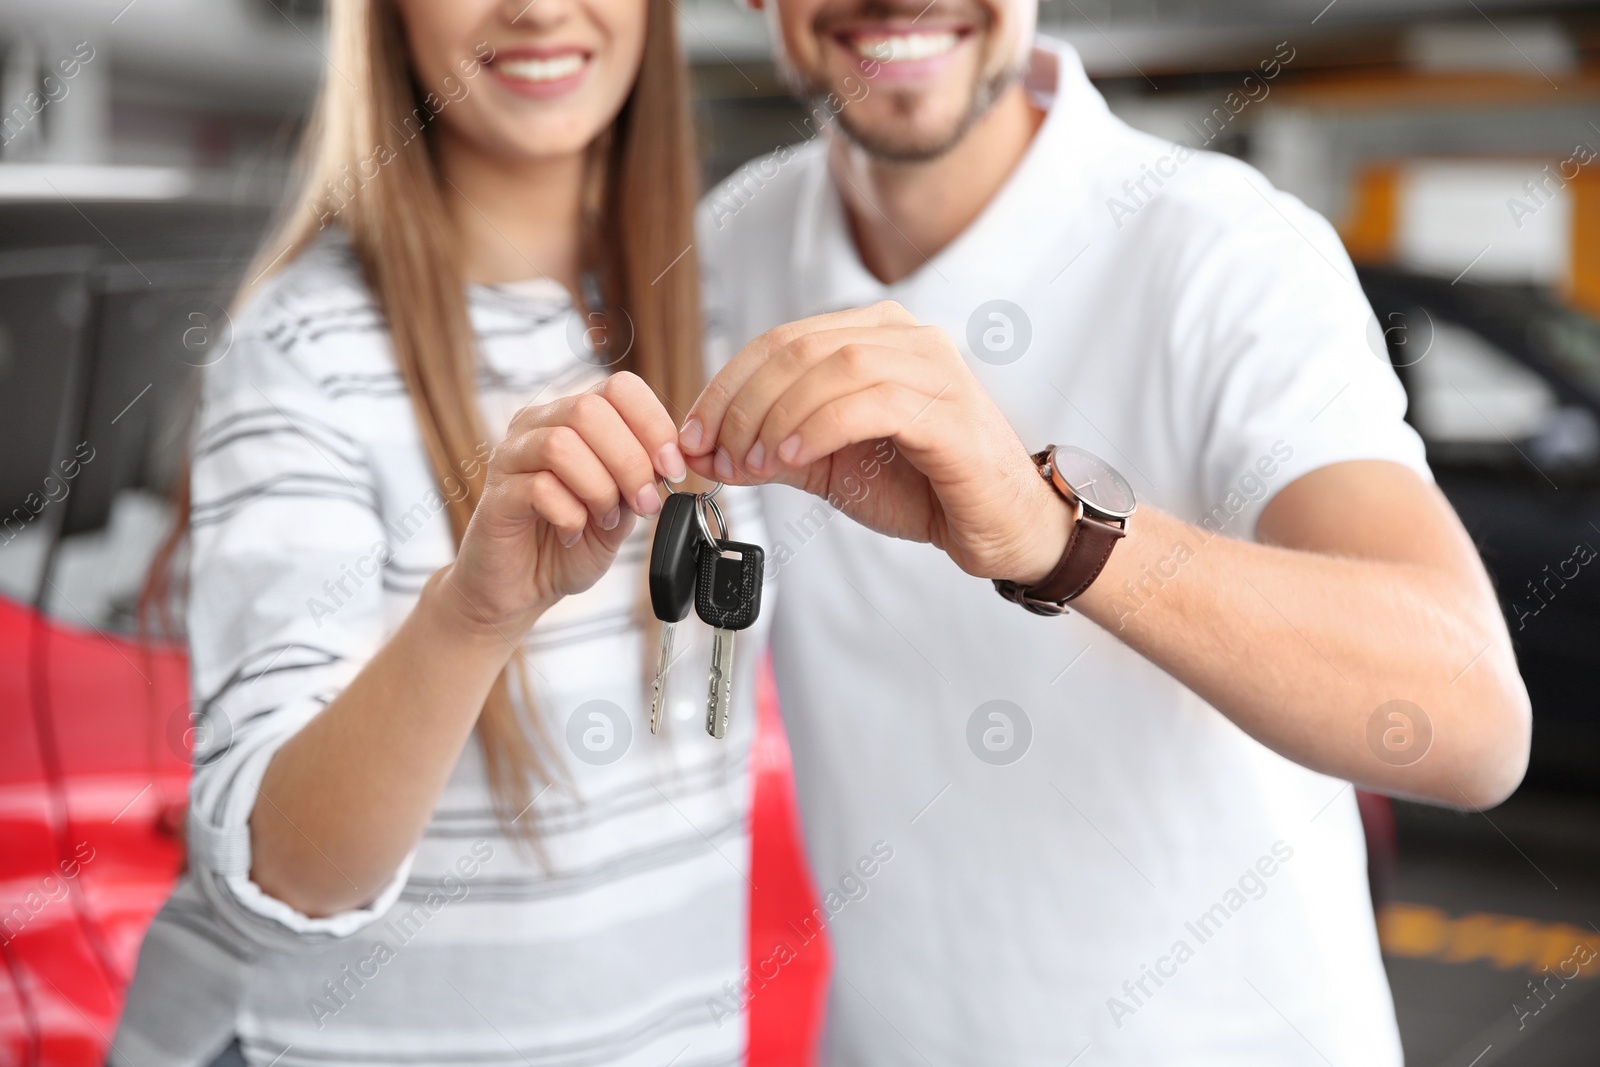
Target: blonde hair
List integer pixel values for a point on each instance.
(639, 220)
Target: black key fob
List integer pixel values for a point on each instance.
(673, 557)
(728, 594)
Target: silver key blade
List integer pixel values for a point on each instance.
(720, 693)
(658, 696)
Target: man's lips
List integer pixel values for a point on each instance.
(895, 44)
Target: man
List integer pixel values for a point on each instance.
(1124, 835)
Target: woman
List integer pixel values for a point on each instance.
(427, 823)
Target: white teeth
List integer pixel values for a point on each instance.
(902, 47)
(542, 70)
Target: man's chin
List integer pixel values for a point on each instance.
(902, 141)
(902, 136)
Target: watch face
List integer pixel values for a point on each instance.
(1095, 481)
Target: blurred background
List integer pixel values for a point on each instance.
(1455, 143)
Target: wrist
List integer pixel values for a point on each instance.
(450, 616)
(1079, 534)
(1049, 526)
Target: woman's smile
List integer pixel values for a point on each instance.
(542, 72)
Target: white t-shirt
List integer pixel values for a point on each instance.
(1100, 865)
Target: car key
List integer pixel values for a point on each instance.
(727, 598)
(673, 568)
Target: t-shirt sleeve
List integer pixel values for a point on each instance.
(1288, 355)
(284, 506)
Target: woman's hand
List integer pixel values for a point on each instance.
(360, 780)
(560, 496)
(811, 403)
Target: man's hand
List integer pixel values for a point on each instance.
(807, 402)
(1299, 640)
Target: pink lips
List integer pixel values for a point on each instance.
(541, 73)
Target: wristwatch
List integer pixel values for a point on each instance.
(1101, 500)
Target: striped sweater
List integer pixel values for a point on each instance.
(316, 521)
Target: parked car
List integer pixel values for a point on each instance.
(1504, 384)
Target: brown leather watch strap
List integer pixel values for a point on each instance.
(1088, 549)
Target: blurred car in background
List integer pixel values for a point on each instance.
(94, 767)
(1504, 384)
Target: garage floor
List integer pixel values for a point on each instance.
(1492, 937)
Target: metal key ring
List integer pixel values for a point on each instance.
(708, 494)
(702, 499)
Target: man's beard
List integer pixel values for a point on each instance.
(901, 145)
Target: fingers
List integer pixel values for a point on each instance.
(625, 458)
(644, 414)
(814, 370)
(593, 457)
(554, 503)
(841, 416)
(549, 498)
(703, 426)
(880, 410)
(562, 452)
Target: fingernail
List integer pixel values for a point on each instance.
(671, 458)
(693, 435)
(790, 448)
(756, 458)
(648, 501)
(572, 538)
(611, 519)
(723, 465)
